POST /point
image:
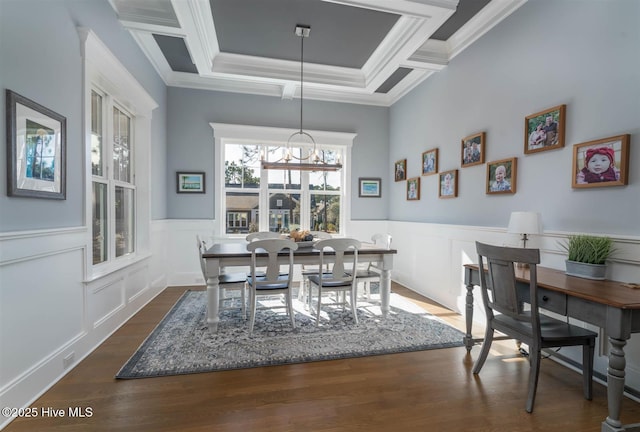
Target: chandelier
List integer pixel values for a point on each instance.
(313, 161)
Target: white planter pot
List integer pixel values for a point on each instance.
(587, 271)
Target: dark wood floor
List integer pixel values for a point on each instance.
(421, 391)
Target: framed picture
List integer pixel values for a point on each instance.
(448, 184)
(604, 162)
(36, 149)
(369, 187)
(430, 162)
(413, 189)
(501, 176)
(472, 150)
(400, 170)
(544, 130)
(190, 182)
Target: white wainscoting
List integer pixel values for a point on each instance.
(51, 317)
(430, 259)
(49, 312)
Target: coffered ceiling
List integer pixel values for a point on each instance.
(358, 51)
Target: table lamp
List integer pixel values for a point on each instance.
(525, 224)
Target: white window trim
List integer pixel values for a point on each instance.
(103, 69)
(226, 133)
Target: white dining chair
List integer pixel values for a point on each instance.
(268, 280)
(371, 272)
(307, 270)
(261, 235)
(335, 280)
(226, 281)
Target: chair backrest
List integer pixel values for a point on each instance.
(272, 247)
(498, 282)
(320, 235)
(202, 247)
(261, 235)
(341, 261)
(380, 239)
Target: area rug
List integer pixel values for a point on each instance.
(182, 344)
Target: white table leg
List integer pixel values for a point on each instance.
(385, 291)
(213, 294)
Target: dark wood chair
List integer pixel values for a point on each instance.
(506, 312)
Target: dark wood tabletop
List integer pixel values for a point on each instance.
(607, 292)
(239, 249)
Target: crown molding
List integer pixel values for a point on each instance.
(406, 45)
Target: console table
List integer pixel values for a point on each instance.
(607, 304)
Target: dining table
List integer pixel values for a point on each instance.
(225, 255)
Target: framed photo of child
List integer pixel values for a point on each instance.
(430, 162)
(501, 176)
(472, 150)
(400, 170)
(448, 184)
(544, 130)
(600, 163)
(413, 189)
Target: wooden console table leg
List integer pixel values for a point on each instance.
(615, 385)
(468, 339)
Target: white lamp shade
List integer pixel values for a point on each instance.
(525, 223)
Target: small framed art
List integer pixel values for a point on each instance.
(369, 187)
(430, 162)
(501, 176)
(400, 170)
(36, 149)
(448, 184)
(544, 130)
(603, 162)
(413, 189)
(472, 150)
(190, 182)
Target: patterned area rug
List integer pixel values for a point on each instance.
(181, 343)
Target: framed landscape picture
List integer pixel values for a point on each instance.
(190, 182)
(501, 176)
(448, 184)
(369, 187)
(472, 150)
(36, 149)
(430, 162)
(400, 170)
(413, 189)
(544, 130)
(600, 163)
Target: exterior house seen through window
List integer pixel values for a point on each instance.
(291, 199)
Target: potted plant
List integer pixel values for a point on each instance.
(588, 255)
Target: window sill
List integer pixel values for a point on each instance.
(101, 271)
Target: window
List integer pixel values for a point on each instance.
(118, 113)
(113, 187)
(278, 200)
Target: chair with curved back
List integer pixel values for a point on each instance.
(372, 271)
(261, 235)
(344, 254)
(268, 280)
(226, 281)
(506, 312)
(307, 270)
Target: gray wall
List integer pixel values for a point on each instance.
(190, 143)
(41, 60)
(580, 53)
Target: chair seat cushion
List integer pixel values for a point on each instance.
(364, 273)
(230, 278)
(552, 330)
(281, 283)
(329, 281)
